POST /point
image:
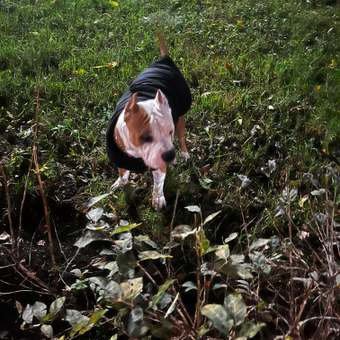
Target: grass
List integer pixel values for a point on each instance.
(265, 79)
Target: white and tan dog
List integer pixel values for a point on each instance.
(141, 131)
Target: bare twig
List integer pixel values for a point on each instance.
(174, 212)
(46, 210)
(23, 203)
(41, 186)
(30, 291)
(9, 207)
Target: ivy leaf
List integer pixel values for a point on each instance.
(152, 255)
(211, 217)
(96, 199)
(135, 325)
(189, 285)
(74, 317)
(249, 329)
(56, 306)
(27, 314)
(259, 243)
(131, 289)
(236, 308)
(172, 306)
(231, 237)
(97, 315)
(161, 291)
(47, 330)
(125, 228)
(95, 214)
(203, 242)
(219, 318)
(89, 237)
(193, 208)
(39, 310)
(182, 231)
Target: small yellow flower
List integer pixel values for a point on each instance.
(332, 64)
(240, 24)
(80, 72)
(113, 4)
(317, 88)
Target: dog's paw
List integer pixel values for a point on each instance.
(185, 155)
(158, 202)
(120, 182)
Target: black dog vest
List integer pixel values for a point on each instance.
(163, 75)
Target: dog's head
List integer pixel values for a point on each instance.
(151, 129)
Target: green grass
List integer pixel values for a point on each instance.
(265, 79)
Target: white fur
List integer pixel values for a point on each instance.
(162, 130)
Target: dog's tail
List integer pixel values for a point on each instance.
(162, 45)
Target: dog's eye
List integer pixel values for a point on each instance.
(146, 138)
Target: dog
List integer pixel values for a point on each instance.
(141, 131)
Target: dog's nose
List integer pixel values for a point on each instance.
(168, 156)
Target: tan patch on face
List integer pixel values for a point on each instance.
(137, 121)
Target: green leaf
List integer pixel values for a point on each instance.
(39, 310)
(189, 285)
(97, 315)
(249, 329)
(95, 200)
(95, 214)
(47, 330)
(135, 325)
(234, 266)
(56, 306)
(112, 291)
(231, 237)
(218, 316)
(182, 231)
(89, 237)
(131, 289)
(152, 255)
(203, 242)
(145, 239)
(261, 242)
(74, 318)
(193, 208)
(211, 217)
(172, 306)
(27, 314)
(125, 228)
(205, 183)
(161, 291)
(236, 308)
(223, 248)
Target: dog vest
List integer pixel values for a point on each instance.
(163, 75)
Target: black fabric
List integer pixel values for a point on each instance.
(163, 75)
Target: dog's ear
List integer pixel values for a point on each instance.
(131, 106)
(161, 100)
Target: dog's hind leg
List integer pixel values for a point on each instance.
(122, 180)
(180, 131)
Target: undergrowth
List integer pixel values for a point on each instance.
(248, 246)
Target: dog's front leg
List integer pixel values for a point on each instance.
(122, 180)
(180, 130)
(158, 199)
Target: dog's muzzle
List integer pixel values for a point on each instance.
(168, 156)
